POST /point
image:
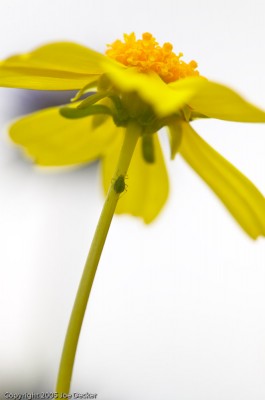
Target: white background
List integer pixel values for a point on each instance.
(178, 307)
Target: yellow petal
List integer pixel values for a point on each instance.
(238, 194)
(147, 183)
(52, 140)
(55, 66)
(162, 97)
(218, 101)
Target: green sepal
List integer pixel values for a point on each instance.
(186, 113)
(84, 90)
(175, 136)
(74, 113)
(148, 150)
(92, 99)
(120, 114)
(196, 115)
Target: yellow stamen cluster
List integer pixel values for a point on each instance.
(146, 55)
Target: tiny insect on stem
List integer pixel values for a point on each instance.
(119, 184)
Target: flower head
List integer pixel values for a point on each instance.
(146, 55)
(140, 81)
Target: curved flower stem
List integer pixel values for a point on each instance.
(117, 186)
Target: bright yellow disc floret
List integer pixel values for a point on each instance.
(146, 55)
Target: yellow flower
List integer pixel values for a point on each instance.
(141, 81)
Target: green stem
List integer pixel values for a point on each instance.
(117, 186)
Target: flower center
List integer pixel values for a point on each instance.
(146, 55)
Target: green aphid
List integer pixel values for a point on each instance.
(119, 184)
